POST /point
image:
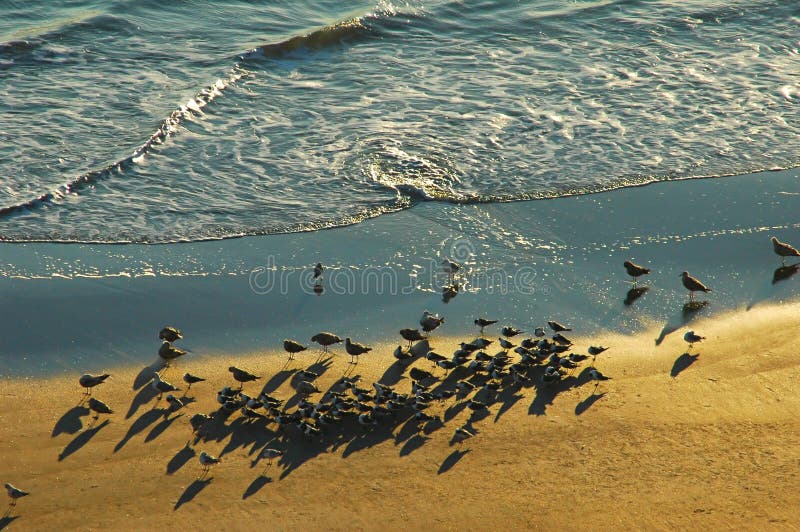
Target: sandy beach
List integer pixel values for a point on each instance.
(704, 439)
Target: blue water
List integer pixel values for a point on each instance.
(144, 121)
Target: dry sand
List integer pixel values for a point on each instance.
(715, 445)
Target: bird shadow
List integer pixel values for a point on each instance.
(276, 380)
(508, 398)
(320, 366)
(681, 363)
(413, 443)
(584, 405)
(70, 422)
(546, 394)
(180, 458)
(393, 374)
(7, 520)
(634, 294)
(192, 490)
(785, 272)
(451, 460)
(259, 482)
(688, 313)
(144, 396)
(81, 439)
(144, 421)
(156, 431)
(146, 374)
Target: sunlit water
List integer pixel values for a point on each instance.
(170, 121)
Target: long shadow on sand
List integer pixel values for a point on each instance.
(146, 374)
(191, 492)
(70, 422)
(181, 458)
(254, 487)
(689, 312)
(587, 403)
(156, 431)
(81, 440)
(7, 520)
(276, 380)
(546, 394)
(451, 460)
(144, 421)
(414, 443)
(681, 363)
(144, 396)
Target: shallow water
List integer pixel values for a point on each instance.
(160, 122)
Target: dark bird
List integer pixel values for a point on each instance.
(510, 332)
(292, 347)
(14, 493)
(270, 454)
(326, 339)
(90, 381)
(403, 355)
(557, 327)
(596, 376)
(198, 420)
(475, 405)
(411, 335)
(429, 321)
(318, 269)
(460, 435)
(634, 270)
(595, 350)
(162, 386)
(168, 352)
(693, 285)
(241, 375)
(561, 339)
(420, 374)
(206, 460)
(355, 349)
(99, 407)
(483, 322)
(783, 250)
(450, 267)
(190, 379)
(505, 344)
(539, 332)
(692, 338)
(170, 334)
(174, 402)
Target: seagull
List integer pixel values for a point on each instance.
(557, 327)
(538, 332)
(420, 374)
(483, 322)
(89, 381)
(596, 376)
(99, 407)
(596, 350)
(411, 335)
(170, 334)
(307, 375)
(318, 270)
(174, 402)
(403, 355)
(505, 344)
(692, 338)
(435, 357)
(634, 270)
(693, 285)
(206, 460)
(241, 375)
(460, 435)
(446, 365)
(325, 339)
(509, 332)
(168, 352)
(162, 386)
(429, 321)
(270, 454)
(783, 250)
(561, 339)
(190, 379)
(292, 347)
(450, 267)
(306, 388)
(355, 349)
(198, 420)
(15, 493)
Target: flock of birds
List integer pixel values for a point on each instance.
(483, 375)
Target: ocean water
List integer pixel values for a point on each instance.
(144, 121)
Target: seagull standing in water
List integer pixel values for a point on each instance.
(693, 285)
(783, 250)
(429, 321)
(634, 270)
(170, 334)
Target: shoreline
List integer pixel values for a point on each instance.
(663, 444)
